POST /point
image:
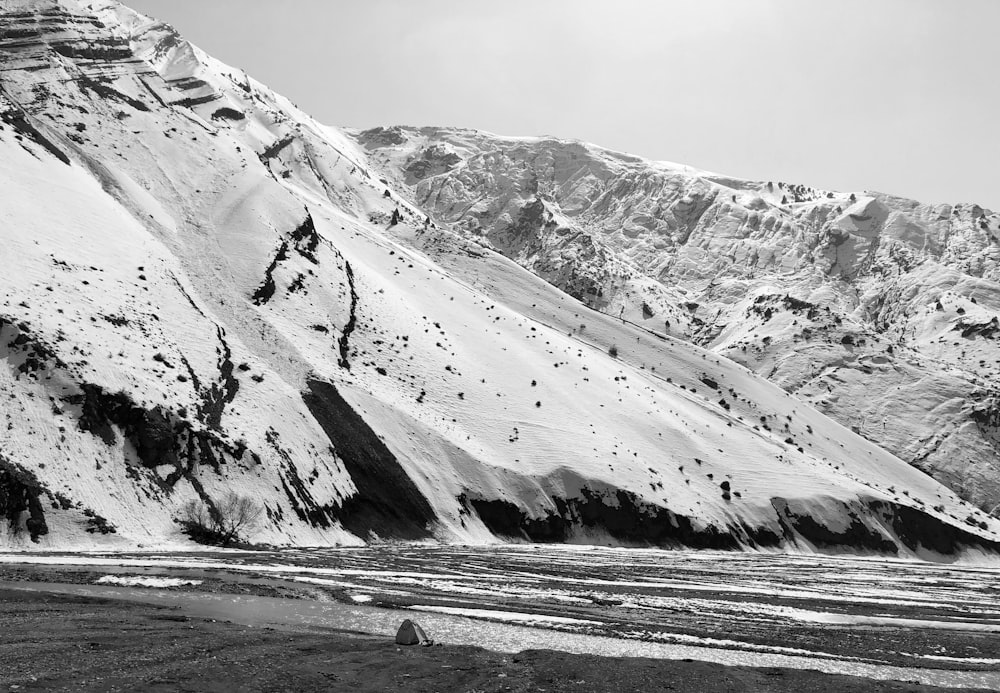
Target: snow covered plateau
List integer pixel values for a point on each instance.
(445, 335)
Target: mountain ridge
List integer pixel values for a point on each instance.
(686, 245)
(208, 291)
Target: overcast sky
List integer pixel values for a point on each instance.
(893, 95)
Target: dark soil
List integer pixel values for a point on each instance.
(57, 642)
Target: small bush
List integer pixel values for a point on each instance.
(223, 522)
(613, 351)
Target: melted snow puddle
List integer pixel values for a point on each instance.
(502, 637)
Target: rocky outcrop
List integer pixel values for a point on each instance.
(21, 500)
(387, 503)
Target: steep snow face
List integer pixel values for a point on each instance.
(205, 290)
(880, 311)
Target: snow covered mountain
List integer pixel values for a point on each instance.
(204, 290)
(881, 312)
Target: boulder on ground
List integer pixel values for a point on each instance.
(410, 633)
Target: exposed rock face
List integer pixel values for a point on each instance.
(206, 292)
(20, 500)
(387, 503)
(880, 311)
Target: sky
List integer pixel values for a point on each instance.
(898, 96)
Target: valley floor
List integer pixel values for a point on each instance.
(64, 642)
(530, 618)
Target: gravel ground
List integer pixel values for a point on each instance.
(59, 642)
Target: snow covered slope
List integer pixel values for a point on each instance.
(205, 290)
(880, 311)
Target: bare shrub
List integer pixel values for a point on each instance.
(222, 522)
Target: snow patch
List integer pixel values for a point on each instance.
(512, 616)
(145, 581)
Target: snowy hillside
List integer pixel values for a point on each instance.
(206, 290)
(880, 311)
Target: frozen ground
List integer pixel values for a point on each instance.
(872, 617)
